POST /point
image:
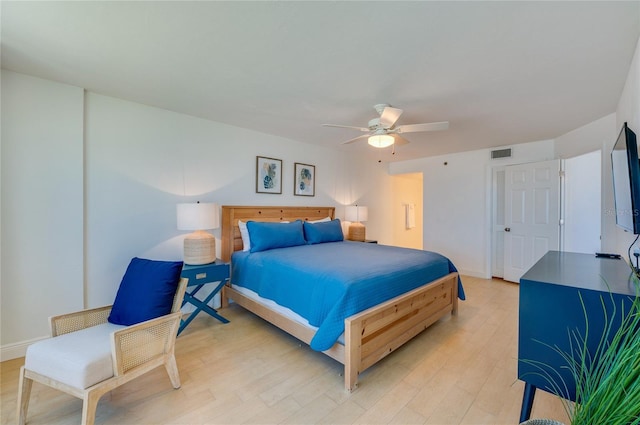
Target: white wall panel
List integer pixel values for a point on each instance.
(42, 204)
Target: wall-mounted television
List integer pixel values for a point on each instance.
(626, 180)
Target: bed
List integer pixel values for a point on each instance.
(368, 335)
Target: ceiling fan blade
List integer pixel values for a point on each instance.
(355, 139)
(389, 116)
(431, 126)
(399, 140)
(346, 126)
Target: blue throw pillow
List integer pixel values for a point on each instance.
(146, 291)
(329, 231)
(265, 235)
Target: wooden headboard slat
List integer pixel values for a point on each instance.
(231, 239)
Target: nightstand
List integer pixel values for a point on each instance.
(199, 276)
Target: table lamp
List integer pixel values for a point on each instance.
(199, 246)
(355, 214)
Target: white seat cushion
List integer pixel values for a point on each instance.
(80, 359)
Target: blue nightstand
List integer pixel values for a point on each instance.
(198, 277)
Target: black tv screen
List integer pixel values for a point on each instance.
(626, 180)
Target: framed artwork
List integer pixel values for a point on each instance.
(268, 175)
(304, 180)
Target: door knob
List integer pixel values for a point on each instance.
(507, 229)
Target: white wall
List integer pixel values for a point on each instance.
(42, 204)
(582, 202)
(588, 138)
(90, 181)
(457, 220)
(628, 111)
(141, 161)
(596, 135)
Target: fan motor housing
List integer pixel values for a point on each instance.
(374, 124)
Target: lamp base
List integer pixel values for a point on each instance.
(356, 232)
(199, 248)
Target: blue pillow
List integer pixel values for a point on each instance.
(265, 235)
(329, 231)
(147, 291)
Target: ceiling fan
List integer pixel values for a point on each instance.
(381, 131)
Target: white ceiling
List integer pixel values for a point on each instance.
(500, 72)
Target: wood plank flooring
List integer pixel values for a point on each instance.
(462, 370)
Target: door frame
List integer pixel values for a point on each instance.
(493, 227)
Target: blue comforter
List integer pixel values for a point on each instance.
(326, 283)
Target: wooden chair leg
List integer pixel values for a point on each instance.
(24, 393)
(89, 406)
(172, 370)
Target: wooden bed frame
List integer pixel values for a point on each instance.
(369, 335)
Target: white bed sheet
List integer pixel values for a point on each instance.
(272, 305)
(288, 313)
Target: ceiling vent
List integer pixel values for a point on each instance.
(501, 153)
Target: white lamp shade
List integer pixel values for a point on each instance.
(197, 216)
(381, 140)
(356, 213)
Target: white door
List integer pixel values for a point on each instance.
(532, 215)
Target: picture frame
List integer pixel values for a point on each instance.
(304, 180)
(268, 175)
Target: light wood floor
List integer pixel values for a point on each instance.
(462, 370)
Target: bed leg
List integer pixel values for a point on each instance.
(352, 353)
(224, 300)
(454, 309)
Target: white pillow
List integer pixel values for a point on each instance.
(322, 220)
(244, 234)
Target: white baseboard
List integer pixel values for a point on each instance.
(16, 350)
(471, 273)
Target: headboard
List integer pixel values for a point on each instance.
(231, 239)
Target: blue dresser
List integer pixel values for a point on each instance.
(550, 307)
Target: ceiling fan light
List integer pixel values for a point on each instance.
(381, 140)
